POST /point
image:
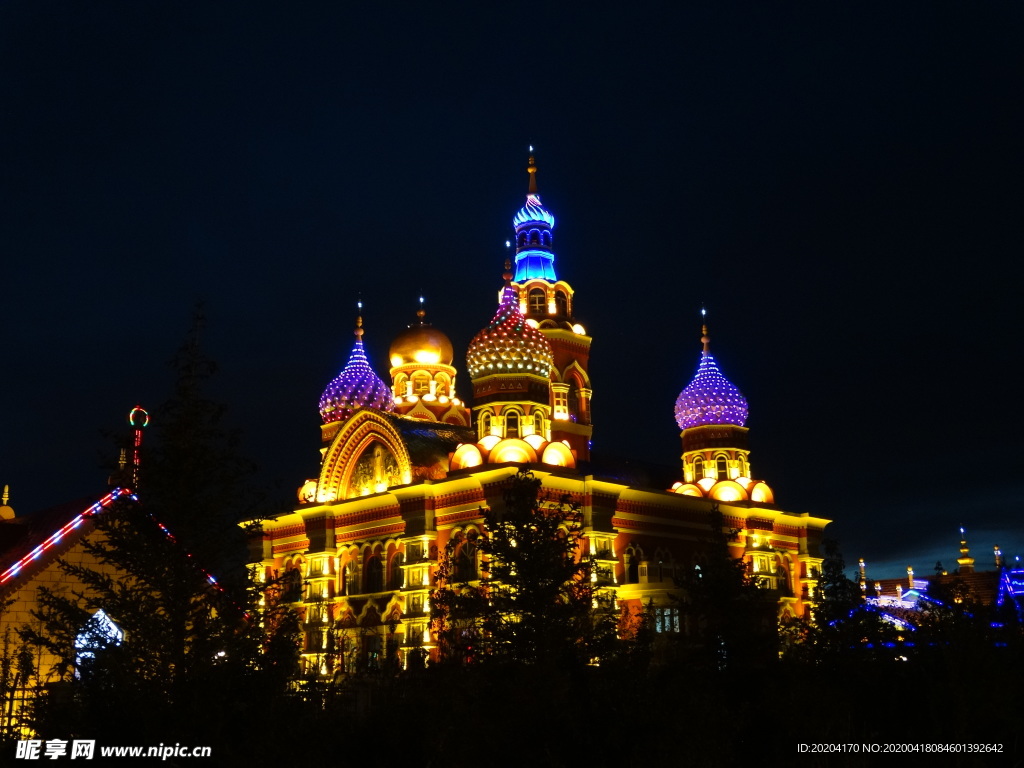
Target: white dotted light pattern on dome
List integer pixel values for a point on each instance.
(710, 398)
(357, 386)
(508, 344)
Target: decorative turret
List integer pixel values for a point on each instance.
(422, 376)
(534, 224)
(965, 561)
(6, 511)
(510, 363)
(357, 386)
(711, 412)
(710, 398)
(547, 304)
(509, 345)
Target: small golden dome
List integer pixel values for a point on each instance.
(422, 344)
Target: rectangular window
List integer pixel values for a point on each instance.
(666, 619)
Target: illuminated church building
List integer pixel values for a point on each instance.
(406, 468)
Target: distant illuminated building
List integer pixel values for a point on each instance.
(965, 585)
(404, 478)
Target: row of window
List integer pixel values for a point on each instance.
(702, 469)
(537, 302)
(514, 423)
(533, 237)
(421, 384)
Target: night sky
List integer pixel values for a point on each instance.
(840, 186)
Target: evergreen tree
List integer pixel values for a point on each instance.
(840, 595)
(734, 621)
(196, 657)
(534, 601)
(184, 652)
(195, 479)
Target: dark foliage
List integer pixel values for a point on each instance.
(534, 601)
(198, 662)
(732, 621)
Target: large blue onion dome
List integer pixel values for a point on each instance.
(710, 398)
(508, 344)
(357, 386)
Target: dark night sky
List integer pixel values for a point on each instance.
(840, 186)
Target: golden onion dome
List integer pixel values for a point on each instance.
(508, 344)
(421, 343)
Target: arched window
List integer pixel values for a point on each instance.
(521, 240)
(465, 560)
(538, 423)
(397, 580)
(351, 578)
(574, 400)
(545, 238)
(485, 425)
(561, 303)
(538, 301)
(512, 425)
(698, 469)
(443, 382)
(534, 236)
(292, 585)
(374, 575)
(744, 470)
(631, 560)
(722, 465)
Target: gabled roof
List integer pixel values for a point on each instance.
(31, 542)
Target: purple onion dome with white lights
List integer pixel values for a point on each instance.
(357, 386)
(710, 398)
(508, 344)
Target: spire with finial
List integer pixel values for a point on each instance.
(6, 512)
(138, 418)
(709, 398)
(534, 224)
(357, 386)
(965, 561)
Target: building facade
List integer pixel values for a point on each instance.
(406, 469)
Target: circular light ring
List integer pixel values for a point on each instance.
(139, 417)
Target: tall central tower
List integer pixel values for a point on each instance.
(547, 304)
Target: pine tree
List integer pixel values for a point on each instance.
(196, 657)
(195, 479)
(534, 602)
(733, 620)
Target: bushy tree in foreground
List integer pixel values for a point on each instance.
(733, 620)
(193, 660)
(185, 659)
(534, 601)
